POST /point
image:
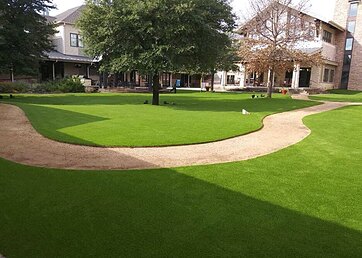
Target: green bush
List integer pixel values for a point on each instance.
(67, 85)
(14, 87)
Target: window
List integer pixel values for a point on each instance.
(327, 36)
(76, 40)
(331, 76)
(349, 44)
(351, 26)
(347, 59)
(231, 79)
(328, 76)
(345, 78)
(353, 10)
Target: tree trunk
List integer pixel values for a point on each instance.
(156, 89)
(212, 81)
(270, 82)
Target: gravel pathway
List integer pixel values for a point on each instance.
(19, 142)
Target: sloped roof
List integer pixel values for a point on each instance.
(309, 13)
(70, 16)
(57, 56)
(50, 19)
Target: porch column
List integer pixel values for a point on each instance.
(12, 75)
(296, 76)
(88, 71)
(53, 67)
(242, 77)
(171, 84)
(224, 79)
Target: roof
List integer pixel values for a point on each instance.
(325, 20)
(50, 19)
(309, 13)
(70, 16)
(57, 56)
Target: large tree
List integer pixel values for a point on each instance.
(24, 35)
(154, 36)
(277, 36)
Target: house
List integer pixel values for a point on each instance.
(68, 57)
(324, 39)
(340, 43)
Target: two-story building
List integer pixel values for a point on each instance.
(68, 57)
(325, 40)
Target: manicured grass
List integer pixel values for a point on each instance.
(123, 119)
(304, 201)
(340, 95)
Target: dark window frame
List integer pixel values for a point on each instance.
(78, 40)
(327, 36)
(349, 46)
(353, 10)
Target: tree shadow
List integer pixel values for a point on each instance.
(187, 102)
(51, 128)
(345, 92)
(155, 213)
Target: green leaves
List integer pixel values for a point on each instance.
(157, 35)
(24, 35)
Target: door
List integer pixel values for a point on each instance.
(304, 77)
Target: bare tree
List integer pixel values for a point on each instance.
(276, 37)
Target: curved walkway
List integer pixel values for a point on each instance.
(19, 142)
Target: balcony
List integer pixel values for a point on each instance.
(329, 51)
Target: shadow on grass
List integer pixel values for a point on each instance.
(345, 92)
(56, 119)
(188, 102)
(52, 213)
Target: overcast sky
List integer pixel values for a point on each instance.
(320, 7)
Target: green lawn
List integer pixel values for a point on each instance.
(304, 201)
(123, 119)
(340, 95)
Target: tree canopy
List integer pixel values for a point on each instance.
(277, 37)
(24, 35)
(154, 36)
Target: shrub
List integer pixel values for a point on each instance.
(67, 85)
(14, 87)
(71, 84)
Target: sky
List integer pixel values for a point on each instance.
(325, 8)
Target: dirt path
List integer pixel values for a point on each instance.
(19, 142)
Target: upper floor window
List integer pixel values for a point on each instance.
(327, 36)
(76, 40)
(353, 10)
(351, 26)
(349, 44)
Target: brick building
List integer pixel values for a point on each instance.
(348, 14)
(340, 43)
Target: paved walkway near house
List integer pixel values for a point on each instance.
(19, 142)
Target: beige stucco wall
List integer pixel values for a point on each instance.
(71, 69)
(68, 50)
(58, 39)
